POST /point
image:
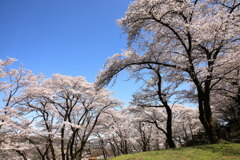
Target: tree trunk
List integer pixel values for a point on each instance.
(62, 142)
(52, 150)
(210, 130)
(205, 115)
(22, 154)
(113, 149)
(170, 142)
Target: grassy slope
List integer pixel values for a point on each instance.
(220, 151)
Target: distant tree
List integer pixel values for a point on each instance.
(185, 123)
(193, 39)
(119, 133)
(226, 102)
(145, 135)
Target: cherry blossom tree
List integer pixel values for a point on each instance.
(194, 39)
(68, 110)
(185, 123)
(119, 133)
(146, 137)
(15, 125)
(158, 92)
(48, 118)
(226, 102)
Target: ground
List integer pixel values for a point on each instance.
(221, 151)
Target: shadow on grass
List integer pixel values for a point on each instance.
(224, 149)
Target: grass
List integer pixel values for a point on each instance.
(221, 151)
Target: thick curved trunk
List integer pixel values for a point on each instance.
(205, 115)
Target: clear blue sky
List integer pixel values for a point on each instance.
(70, 37)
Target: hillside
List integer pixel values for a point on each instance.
(222, 151)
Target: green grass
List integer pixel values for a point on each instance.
(221, 151)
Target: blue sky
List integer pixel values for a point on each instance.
(70, 37)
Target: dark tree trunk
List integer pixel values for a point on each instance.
(22, 154)
(52, 149)
(205, 115)
(113, 149)
(170, 142)
(62, 143)
(169, 136)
